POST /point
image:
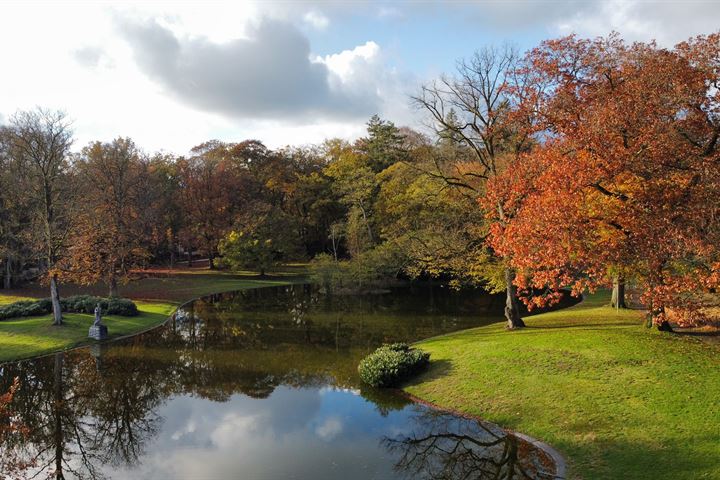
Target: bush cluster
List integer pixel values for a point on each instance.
(75, 304)
(391, 364)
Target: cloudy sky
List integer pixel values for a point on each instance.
(174, 74)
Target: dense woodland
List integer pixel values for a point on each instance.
(579, 164)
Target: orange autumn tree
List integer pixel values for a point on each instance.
(626, 182)
(106, 241)
(11, 465)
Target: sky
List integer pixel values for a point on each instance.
(172, 75)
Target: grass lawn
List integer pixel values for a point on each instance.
(32, 336)
(618, 400)
(157, 294)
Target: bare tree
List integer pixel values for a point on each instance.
(40, 143)
(474, 108)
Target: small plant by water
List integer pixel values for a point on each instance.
(391, 364)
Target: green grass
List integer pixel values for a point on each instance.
(188, 286)
(33, 336)
(155, 296)
(618, 400)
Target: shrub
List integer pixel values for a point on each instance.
(391, 364)
(74, 304)
(122, 307)
(326, 272)
(80, 304)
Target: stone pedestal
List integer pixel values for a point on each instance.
(98, 332)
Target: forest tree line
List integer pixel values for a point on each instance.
(579, 164)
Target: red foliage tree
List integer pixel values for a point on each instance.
(626, 181)
(11, 466)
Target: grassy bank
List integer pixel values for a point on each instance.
(157, 294)
(618, 400)
(32, 336)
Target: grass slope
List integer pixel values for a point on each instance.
(156, 297)
(32, 336)
(619, 400)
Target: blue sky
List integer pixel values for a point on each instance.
(174, 74)
(428, 39)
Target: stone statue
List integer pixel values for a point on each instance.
(98, 316)
(98, 331)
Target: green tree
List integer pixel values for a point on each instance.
(384, 144)
(261, 239)
(355, 183)
(439, 229)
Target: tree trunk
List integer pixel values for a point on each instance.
(8, 273)
(114, 291)
(55, 297)
(334, 245)
(171, 246)
(211, 261)
(664, 326)
(367, 224)
(618, 293)
(189, 257)
(512, 307)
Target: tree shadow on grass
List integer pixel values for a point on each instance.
(437, 369)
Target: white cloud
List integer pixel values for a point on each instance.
(266, 75)
(330, 428)
(316, 20)
(234, 429)
(351, 62)
(364, 69)
(636, 20)
(72, 57)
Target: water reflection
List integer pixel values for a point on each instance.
(80, 419)
(444, 446)
(260, 383)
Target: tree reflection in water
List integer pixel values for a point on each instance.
(447, 447)
(91, 410)
(79, 420)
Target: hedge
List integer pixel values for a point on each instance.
(391, 364)
(74, 304)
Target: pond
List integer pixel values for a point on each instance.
(259, 384)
